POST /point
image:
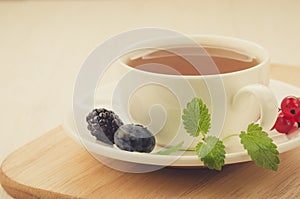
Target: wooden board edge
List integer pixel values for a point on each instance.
(19, 190)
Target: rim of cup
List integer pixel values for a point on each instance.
(232, 43)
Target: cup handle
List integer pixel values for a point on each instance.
(267, 101)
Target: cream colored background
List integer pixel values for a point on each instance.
(43, 43)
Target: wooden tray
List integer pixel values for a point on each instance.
(54, 166)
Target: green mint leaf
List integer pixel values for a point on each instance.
(196, 118)
(260, 147)
(171, 150)
(212, 152)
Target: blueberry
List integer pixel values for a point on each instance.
(130, 137)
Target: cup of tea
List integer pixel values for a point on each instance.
(229, 75)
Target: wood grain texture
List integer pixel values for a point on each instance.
(289, 74)
(54, 166)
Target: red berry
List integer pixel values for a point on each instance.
(284, 123)
(293, 129)
(297, 117)
(290, 106)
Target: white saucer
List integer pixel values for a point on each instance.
(187, 158)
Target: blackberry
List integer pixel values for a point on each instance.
(132, 137)
(103, 124)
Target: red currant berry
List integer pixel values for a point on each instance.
(284, 123)
(293, 129)
(297, 117)
(290, 106)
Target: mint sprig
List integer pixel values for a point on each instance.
(196, 118)
(260, 147)
(211, 150)
(171, 149)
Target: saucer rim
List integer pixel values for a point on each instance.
(169, 160)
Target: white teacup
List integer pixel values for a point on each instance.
(234, 99)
